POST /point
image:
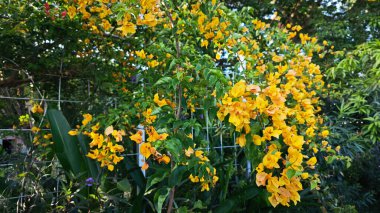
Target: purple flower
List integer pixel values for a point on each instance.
(89, 181)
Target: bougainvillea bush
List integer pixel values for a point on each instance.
(190, 76)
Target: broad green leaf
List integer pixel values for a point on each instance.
(160, 197)
(65, 146)
(157, 177)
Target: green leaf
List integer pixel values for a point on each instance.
(174, 145)
(92, 166)
(65, 146)
(198, 205)
(236, 199)
(157, 177)
(290, 173)
(124, 185)
(160, 197)
(176, 175)
(163, 80)
(313, 184)
(172, 63)
(135, 172)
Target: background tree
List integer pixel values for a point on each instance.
(343, 23)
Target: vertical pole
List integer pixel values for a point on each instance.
(59, 93)
(207, 133)
(221, 141)
(140, 157)
(59, 85)
(249, 169)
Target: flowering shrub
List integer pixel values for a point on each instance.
(174, 59)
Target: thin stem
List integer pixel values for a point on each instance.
(179, 106)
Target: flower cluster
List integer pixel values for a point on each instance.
(40, 138)
(101, 18)
(104, 148)
(24, 119)
(147, 148)
(282, 101)
(37, 109)
(291, 121)
(204, 178)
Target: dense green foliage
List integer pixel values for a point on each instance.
(344, 23)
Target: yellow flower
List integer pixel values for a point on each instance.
(165, 159)
(204, 43)
(87, 119)
(194, 179)
(145, 150)
(295, 158)
(315, 150)
(159, 102)
(153, 63)
(325, 133)
(148, 4)
(117, 159)
(261, 178)
(241, 140)
(149, 19)
(312, 161)
(215, 179)
(270, 160)
(97, 140)
(141, 54)
(198, 153)
(292, 35)
(118, 135)
(110, 167)
(137, 137)
(305, 175)
(238, 89)
(297, 142)
(277, 58)
(257, 140)
(253, 88)
(93, 154)
(154, 136)
(148, 117)
(37, 109)
(72, 11)
(108, 130)
(189, 151)
(35, 129)
(127, 28)
(218, 55)
(48, 136)
(205, 187)
(260, 168)
(145, 166)
(268, 132)
(96, 127)
(73, 132)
